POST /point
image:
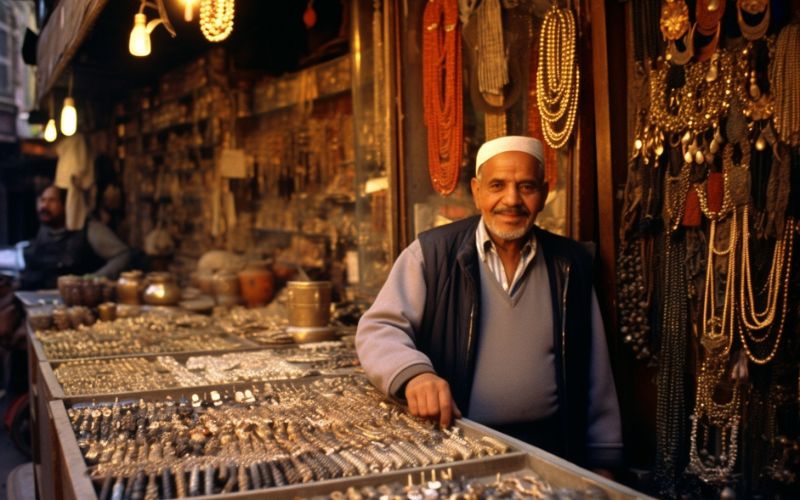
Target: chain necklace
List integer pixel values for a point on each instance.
(784, 78)
(755, 320)
(216, 19)
(442, 92)
(709, 414)
(671, 414)
(558, 76)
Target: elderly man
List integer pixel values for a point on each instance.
(497, 318)
(57, 251)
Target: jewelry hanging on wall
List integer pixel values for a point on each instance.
(709, 15)
(675, 25)
(753, 17)
(784, 78)
(441, 92)
(714, 424)
(216, 19)
(558, 75)
(492, 66)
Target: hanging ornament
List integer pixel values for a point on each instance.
(216, 19)
(310, 16)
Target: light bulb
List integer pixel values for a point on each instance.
(188, 10)
(50, 133)
(139, 44)
(69, 117)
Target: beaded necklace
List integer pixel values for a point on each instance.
(558, 76)
(442, 92)
(784, 77)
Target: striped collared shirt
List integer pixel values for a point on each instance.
(488, 254)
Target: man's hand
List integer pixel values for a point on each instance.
(428, 396)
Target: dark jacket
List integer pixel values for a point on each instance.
(53, 254)
(452, 312)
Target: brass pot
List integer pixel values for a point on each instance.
(309, 303)
(161, 290)
(129, 288)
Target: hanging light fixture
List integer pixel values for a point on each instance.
(188, 10)
(50, 132)
(216, 19)
(69, 115)
(139, 42)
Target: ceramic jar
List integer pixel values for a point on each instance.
(161, 290)
(257, 284)
(129, 287)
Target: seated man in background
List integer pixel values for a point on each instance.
(57, 251)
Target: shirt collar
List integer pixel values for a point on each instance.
(485, 243)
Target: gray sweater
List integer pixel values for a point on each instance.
(386, 349)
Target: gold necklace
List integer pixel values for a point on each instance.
(558, 76)
(788, 237)
(717, 330)
(699, 104)
(750, 32)
(784, 77)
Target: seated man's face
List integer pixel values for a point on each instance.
(50, 207)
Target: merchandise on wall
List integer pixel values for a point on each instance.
(482, 70)
(707, 272)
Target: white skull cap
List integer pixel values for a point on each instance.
(509, 143)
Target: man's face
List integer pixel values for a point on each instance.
(50, 208)
(510, 194)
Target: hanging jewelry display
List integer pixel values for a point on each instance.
(714, 422)
(709, 15)
(558, 76)
(441, 92)
(492, 64)
(784, 78)
(760, 326)
(675, 26)
(759, 13)
(216, 19)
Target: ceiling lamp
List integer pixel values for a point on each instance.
(216, 19)
(188, 10)
(139, 43)
(50, 132)
(69, 115)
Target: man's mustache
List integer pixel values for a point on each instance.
(511, 211)
(46, 212)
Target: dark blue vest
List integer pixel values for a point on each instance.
(448, 334)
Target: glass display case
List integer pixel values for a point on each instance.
(369, 258)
